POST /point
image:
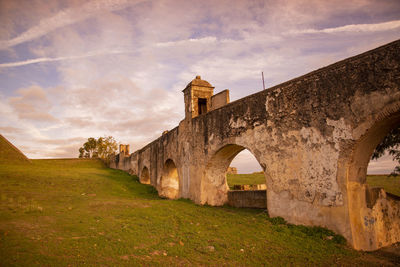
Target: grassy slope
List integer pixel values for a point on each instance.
(75, 212)
(9, 153)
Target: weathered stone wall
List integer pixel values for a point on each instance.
(231, 170)
(133, 163)
(220, 99)
(247, 198)
(124, 162)
(124, 149)
(313, 137)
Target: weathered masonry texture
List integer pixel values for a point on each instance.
(247, 198)
(313, 137)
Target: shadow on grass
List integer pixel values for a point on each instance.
(132, 184)
(392, 253)
(315, 232)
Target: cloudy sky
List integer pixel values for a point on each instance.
(72, 69)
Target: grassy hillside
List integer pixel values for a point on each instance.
(77, 212)
(10, 154)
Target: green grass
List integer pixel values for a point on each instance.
(251, 179)
(77, 212)
(391, 184)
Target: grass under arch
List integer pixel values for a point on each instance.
(74, 212)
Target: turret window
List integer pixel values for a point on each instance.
(202, 105)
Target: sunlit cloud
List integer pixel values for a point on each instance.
(48, 59)
(353, 28)
(65, 18)
(32, 104)
(205, 40)
(10, 130)
(383, 165)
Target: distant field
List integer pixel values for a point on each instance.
(390, 184)
(77, 212)
(254, 178)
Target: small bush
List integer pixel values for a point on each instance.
(338, 239)
(152, 190)
(312, 231)
(276, 220)
(318, 232)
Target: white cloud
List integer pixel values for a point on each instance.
(49, 59)
(383, 165)
(32, 104)
(205, 40)
(353, 28)
(66, 17)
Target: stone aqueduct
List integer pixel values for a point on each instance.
(313, 137)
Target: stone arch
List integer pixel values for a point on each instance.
(374, 215)
(214, 187)
(145, 176)
(169, 183)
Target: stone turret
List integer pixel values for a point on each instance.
(197, 95)
(124, 150)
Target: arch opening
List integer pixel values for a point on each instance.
(245, 173)
(214, 185)
(145, 176)
(383, 170)
(374, 214)
(169, 185)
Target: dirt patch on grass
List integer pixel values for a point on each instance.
(38, 230)
(24, 226)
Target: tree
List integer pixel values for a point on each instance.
(81, 152)
(390, 143)
(106, 148)
(91, 148)
(103, 148)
